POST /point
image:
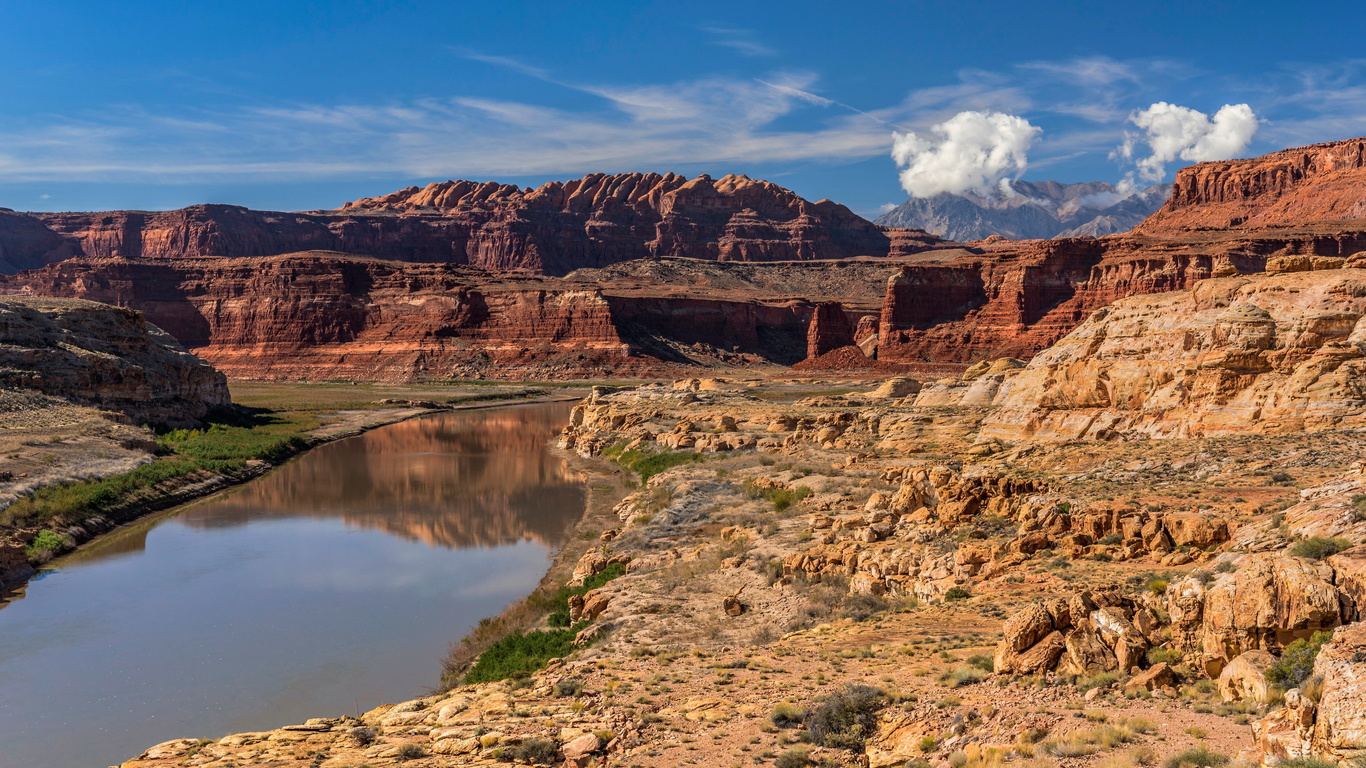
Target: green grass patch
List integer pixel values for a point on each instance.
(647, 465)
(559, 603)
(521, 654)
(223, 447)
(74, 502)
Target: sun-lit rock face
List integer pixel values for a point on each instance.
(594, 221)
(105, 357)
(1321, 182)
(1268, 354)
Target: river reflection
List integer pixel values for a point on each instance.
(331, 584)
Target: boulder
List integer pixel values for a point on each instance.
(582, 747)
(1158, 676)
(1244, 679)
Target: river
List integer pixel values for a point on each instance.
(329, 586)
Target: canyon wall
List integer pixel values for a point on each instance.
(1322, 182)
(1270, 353)
(330, 315)
(561, 226)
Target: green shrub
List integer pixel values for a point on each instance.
(522, 654)
(1318, 547)
(846, 718)
(45, 546)
(1359, 507)
(568, 687)
(559, 603)
(1196, 757)
(1157, 586)
(535, 751)
(781, 498)
(957, 593)
(793, 758)
(362, 736)
(1159, 655)
(981, 662)
(964, 675)
(411, 751)
(1296, 665)
(787, 715)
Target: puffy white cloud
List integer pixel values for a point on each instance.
(1172, 131)
(971, 151)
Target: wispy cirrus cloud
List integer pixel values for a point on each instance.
(742, 41)
(776, 116)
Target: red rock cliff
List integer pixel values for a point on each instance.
(1321, 182)
(328, 315)
(561, 226)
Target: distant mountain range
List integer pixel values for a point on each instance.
(1038, 209)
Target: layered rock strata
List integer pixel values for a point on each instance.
(597, 220)
(105, 357)
(1279, 353)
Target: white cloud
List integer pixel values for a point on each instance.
(1171, 131)
(971, 151)
(741, 41)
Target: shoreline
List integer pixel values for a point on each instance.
(605, 485)
(14, 582)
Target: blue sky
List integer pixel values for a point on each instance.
(304, 105)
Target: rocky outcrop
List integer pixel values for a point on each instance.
(106, 357)
(830, 329)
(561, 226)
(1332, 726)
(1269, 601)
(1090, 632)
(328, 315)
(1294, 186)
(1272, 354)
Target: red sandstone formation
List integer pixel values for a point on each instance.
(829, 329)
(1322, 182)
(329, 315)
(777, 283)
(561, 226)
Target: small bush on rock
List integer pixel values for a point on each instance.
(845, 719)
(1296, 665)
(568, 687)
(1318, 547)
(535, 751)
(362, 736)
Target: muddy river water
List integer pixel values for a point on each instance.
(327, 587)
